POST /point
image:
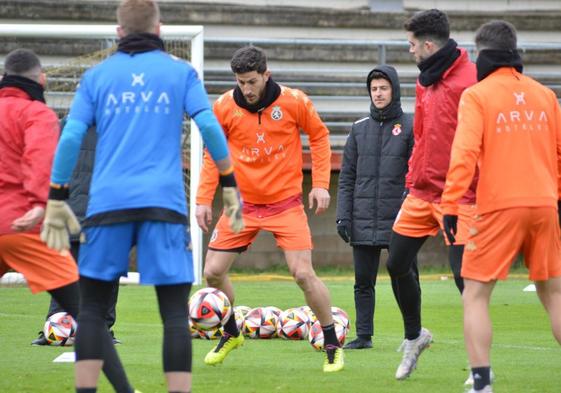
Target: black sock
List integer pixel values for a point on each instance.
(481, 377)
(112, 366)
(176, 347)
(364, 338)
(329, 336)
(408, 295)
(230, 326)
(93, 340)
(86, 390)
(404, 275)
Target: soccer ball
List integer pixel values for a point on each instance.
(316, 334)
(240, 317)
(212, 334)
(275, 310)
(311, 316)
(260, 322)
(293, 324)
(339, 315)
(242, 309)
(339, 311)
(192, 330)
(60, 329)
(209, 308)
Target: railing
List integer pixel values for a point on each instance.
(381, 45)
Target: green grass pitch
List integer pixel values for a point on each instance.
(525, 356)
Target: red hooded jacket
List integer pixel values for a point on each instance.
(29, 133)
(436, 117)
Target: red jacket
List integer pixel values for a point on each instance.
(29, 133)
(436, 111)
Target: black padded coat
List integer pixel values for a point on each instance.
(375, 162)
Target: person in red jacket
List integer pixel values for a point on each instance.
(509, 127)
(262, 122)
(29, 133)
(446, 72)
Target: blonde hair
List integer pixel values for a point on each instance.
(138, 16)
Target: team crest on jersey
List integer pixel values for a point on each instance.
(214, 235)
(276, 114)
(396, 129)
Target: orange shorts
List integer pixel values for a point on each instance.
(290, 229)
(43, 268)
(419, 218)
(498, 237)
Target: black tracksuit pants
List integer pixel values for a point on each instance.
(405, 282)
(366, 260)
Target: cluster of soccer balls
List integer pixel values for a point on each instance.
(209, 309)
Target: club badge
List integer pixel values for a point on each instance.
(396, 129)
(276, 114)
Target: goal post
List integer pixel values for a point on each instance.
(186, 41)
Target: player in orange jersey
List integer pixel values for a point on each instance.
(509, 126)
(262, 122)
(446, 72)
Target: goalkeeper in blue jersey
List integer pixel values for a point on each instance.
(137, 98)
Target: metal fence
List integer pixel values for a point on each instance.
(380, 45)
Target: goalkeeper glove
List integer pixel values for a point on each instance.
(450, 227)
(232, 201)
(59, 221)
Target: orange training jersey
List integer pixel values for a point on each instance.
(266, 150)
(510, 126)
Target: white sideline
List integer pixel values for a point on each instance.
(132, 278)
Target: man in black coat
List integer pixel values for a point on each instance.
(371, 188)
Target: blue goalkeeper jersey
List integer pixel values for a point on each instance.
(138, 104)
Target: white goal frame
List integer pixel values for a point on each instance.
(193, 33)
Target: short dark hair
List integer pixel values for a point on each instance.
(247, 59)
(496, 34)
(378, 75)
(430, 24)
(20, 62)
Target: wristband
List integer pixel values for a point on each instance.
(228, 180)
(59, 192)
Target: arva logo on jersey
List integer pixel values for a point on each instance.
(137, 101)
(521, 119)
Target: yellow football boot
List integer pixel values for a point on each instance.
(225, 346)
(334, 359)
